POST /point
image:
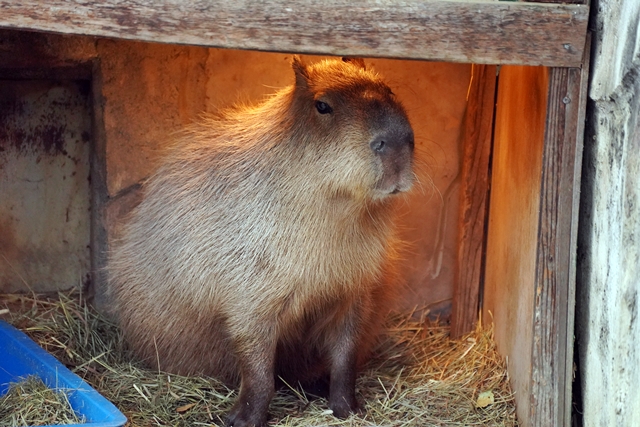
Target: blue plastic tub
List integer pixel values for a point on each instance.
(21, 357)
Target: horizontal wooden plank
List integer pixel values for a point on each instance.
(560, 1)
(475, 31)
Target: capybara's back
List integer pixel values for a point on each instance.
(262, 241)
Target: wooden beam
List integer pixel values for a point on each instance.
(561, 1)
(554, 307)
(474, 192)
(473, 31)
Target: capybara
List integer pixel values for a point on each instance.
(263, 243)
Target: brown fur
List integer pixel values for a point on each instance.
(262, 242)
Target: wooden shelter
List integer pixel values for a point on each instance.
(522, 135)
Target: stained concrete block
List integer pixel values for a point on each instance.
(44, 185)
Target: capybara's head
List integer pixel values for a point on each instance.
(348, 112)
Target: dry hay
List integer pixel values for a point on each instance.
(419, 377)
(30, 402)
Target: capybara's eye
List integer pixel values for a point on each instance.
(378, 145)
(323, 107)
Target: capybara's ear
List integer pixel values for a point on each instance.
(355, 61)
(302, 75)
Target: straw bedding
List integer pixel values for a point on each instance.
(30, 402)
(418, 377)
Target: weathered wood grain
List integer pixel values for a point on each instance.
(474, 192)
(554, 312)
(608, 281)
(561, 1)
(514, 217)
(474, 31)
(556, 248)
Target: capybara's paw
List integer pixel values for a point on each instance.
(242, 415)
(344, 406)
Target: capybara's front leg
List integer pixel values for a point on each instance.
(256, 362)
(344, 354)
(342, 390)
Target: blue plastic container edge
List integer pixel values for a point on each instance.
(34, 360)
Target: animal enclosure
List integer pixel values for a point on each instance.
(490, 225)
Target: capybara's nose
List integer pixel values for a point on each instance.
(393, 141)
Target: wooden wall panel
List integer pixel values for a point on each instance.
(531, 248)
(477, 132)
(513, 221)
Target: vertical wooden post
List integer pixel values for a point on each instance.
(99, 193)
(554, 304)
(474, 189)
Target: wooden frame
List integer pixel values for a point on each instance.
(477, 31)
(554, 310)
